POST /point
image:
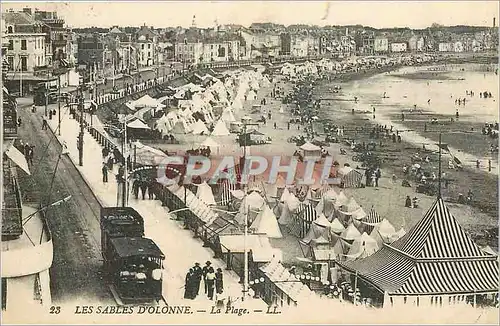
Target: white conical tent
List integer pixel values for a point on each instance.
(266, 223)
(290, 205)
(251, 203)
(341, 200)
(336, 227)
(398, 235)
(220, 129)
(383, 232)
(205, 194)
(350, 233)
(209, 142)
(199, 128)
(227, 115)
(146, 101)
(362, 247)
(322, 221)
(326, 204)
(181, 127)
(318, 228)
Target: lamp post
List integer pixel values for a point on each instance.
(82, 130)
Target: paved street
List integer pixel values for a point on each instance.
(75, 272)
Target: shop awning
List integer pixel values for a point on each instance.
(18, 158)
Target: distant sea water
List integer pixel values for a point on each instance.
(442, 84)
(445, 84)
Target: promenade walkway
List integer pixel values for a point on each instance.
(178, 245)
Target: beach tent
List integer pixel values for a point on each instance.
(383, 232)
(340, 200)
(220, 129)
(350, 234)
(137, 124)
(227, 115)
(326, 203)
(489, 250)
(146, 155)
(266, 223)
(290, 206)
(145, 101)
(259, 244)
(251, 204)
(398, 235)
(181, 127)
(336, 228)
(311, 151)
(318, 228)
(370, 221)
(205, 193)
(350, 178)
(209, 142)
(199, 128)
(302, 219)
(436, 258)
(362, 247)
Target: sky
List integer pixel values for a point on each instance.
(378, 14)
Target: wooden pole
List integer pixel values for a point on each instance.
(439, 171)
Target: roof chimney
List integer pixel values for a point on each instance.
(494, 22)
(27, 10)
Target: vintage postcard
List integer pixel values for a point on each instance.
(245, 162)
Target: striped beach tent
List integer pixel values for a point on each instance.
(370, 221)
(302, 219)
(436, 257)
(350, 178)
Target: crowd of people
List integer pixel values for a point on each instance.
(213, 282)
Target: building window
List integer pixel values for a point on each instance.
(23, 45)
(222, 52)
(10, 29)
(11, 44)
(149, 54)
(142, 46)
(24, 63)
(149, 45)
(10, 60)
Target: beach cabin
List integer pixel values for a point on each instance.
(350, 178)
(310, 151)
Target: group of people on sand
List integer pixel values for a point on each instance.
(212, 281)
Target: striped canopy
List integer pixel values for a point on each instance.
(436, 257)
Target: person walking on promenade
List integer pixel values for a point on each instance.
(210, 281)
(205, 272)
(188, 285)
(135, 188)
(151, 191)
(104, 173)
(198, 273)
(219, 281)
(44, 123)
(144, 188)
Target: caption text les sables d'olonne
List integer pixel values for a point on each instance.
(166, 310)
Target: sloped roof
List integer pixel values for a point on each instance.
(436, 257)
(18, 18)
